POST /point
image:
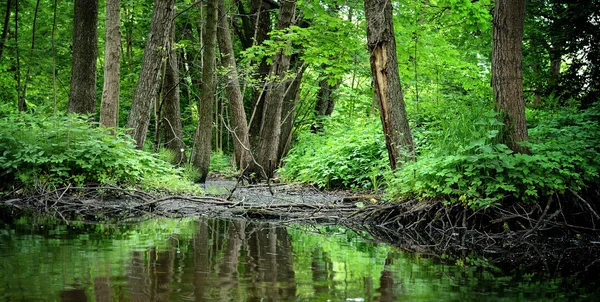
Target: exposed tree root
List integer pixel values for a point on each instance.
(532, 234)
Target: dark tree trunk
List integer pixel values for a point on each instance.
(22, 105)
(288, 112)
(109, 109)
(82, 98)
(325, 102)
(173, 130)
(256, 33)
(203, 136)
(270, 132)
(388, 89)
(5, 28)
(147, 86)
(507, 75)
(31, 49)
(241, 140)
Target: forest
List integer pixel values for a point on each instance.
(464, 105)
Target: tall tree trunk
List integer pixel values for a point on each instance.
(82, 98)
(172, 112)
(203, 136)
(53, 42)
(33, 31)
(507, 74)
(388, 89)
(289, 110)
(22, 105)
(147, 86)
(5, 28)
(109, 110)
(270, 132)
(241, 140)
(256, 34)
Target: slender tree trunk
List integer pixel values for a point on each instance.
(203, 136)
(22, 105)
(270, 132)
(147, 86)
(54, 94)
(31, 50)
(82, 98)
(5, 28)
(507, 74)
(172, 112)
(388, 89)
(241, 140)
(109, 110)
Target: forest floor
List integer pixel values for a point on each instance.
(517, 236)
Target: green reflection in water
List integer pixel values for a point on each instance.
(236, 260)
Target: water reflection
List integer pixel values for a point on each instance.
(232, 260)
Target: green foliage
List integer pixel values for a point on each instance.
(221, 163)
(57, 150)
(342, 156)
(564, 155)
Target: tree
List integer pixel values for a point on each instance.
(256, 26)
(203, 135)
(388, 90)
(270, 131)
(147, 86)
(5, 28)
(82, 98)
(173, 131)
(109, 109)
(507, 73)
(241, 140)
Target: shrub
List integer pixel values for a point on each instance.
(564, 155)
(56, 150)
(341, 156)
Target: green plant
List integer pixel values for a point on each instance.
(343, 156)
(57, 150)
(564, 155)
(221, 163)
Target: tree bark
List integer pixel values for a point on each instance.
(289, 110)
(5, 28)
(388, 89)
(241, 140)
(507, 74)
(173, 130)
(325, 103)
(257, 33)
(109, 109)
(147, 86)
(270, 132)
(82, 98)
(203, 136)
(22, 105)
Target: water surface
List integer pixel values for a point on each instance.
(43, 259)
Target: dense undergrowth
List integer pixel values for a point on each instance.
(43, 152)
(460, 157)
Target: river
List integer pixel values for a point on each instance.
(208, 259)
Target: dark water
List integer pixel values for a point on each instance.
(235, 260)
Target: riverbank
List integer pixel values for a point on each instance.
(537, 236)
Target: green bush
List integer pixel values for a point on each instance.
(351, 156)
(564, 155)
(56, 150)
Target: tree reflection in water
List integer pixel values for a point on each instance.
(238, 260)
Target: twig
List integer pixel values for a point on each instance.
(586, 203)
